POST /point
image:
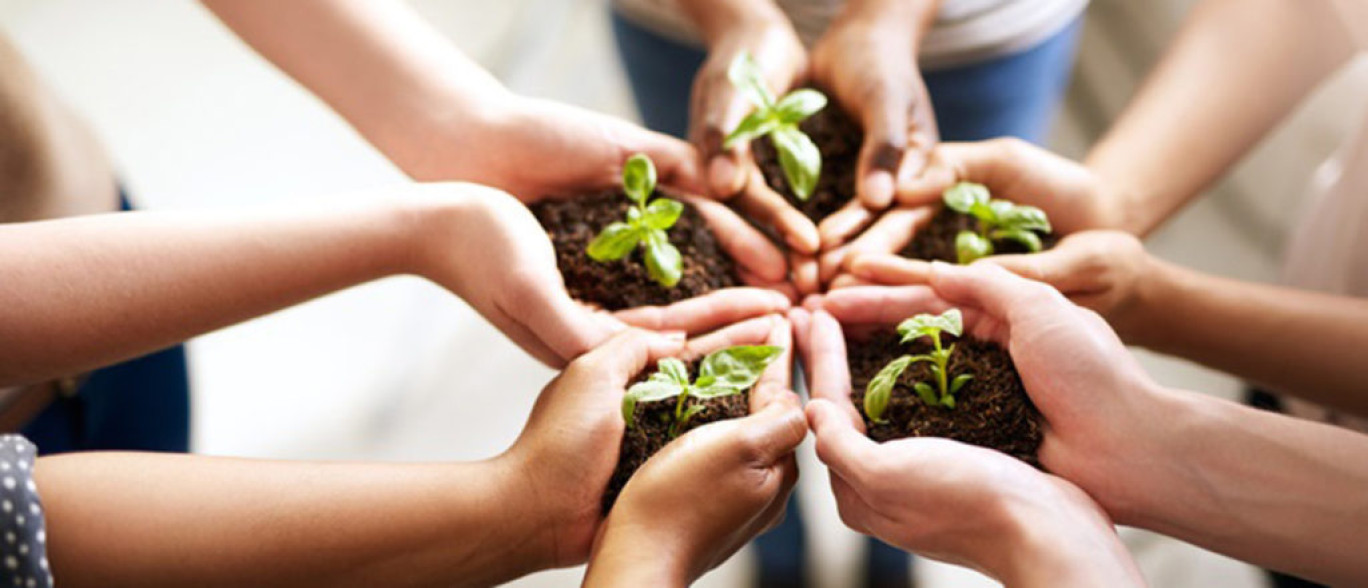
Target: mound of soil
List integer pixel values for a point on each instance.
(572, 223)
(936, 241)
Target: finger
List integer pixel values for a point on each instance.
(715, 108)
(783, 288)
(801, 321)
(994, 162)
(767, 207)
(780, 371)
(625, 355)
(827, 363)
(843, 224)
(747, 245)
(881, 305)
(890, 269)
(772, 434)
(565, 327)
(527, 339)
(706, 312)
(1068, 267)
(848, 281)
(841, 446)
(893, 230)
(1000, 293)
(752, 331)
(885, 122)
(829, 264)
(804, 273)
(676, 161)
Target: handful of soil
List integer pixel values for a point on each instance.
(838, 137)
(936, 240)
(992, 410)
(572, 223)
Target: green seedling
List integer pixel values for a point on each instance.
(722, 373)
(999, 220)
(645, 226)
(880, 389)
(778, 120)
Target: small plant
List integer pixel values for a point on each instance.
(722, 373)
(880, 388)
(778, 119)
(646, 225)
(999, 220)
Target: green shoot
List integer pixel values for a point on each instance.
(646, 225)
(778, 119)
(722, 373)
(999, 220)
(880, 389)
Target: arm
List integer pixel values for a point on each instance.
(434, 112)
(1235, 70)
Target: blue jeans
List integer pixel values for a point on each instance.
(142, 404)
(1014, 95)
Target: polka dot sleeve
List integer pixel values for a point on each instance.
(23, 552)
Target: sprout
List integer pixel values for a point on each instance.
(880, 389)
(778, 119)
(722, 373)
(646, 225)
(999, 220)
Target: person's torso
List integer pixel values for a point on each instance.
(966, 31)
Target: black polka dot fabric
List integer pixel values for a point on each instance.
(23, 550)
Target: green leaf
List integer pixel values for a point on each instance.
(927, 394)
(800, 159)
(948, 401)
(880, 388)
(756, 124)
(639, 178)
(651, 390)
(713, 391)
(931, 325)
(746, 76)
(964, 196)
(678, 426)
(998, 209)
(663, 262)
(798, 105)
(662, 213)
(970, 246)
(674, 369)
(738, 367)
(1027, 238)
(615, 242)
(959, 382)
(1025, 218)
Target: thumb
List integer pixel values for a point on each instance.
(565, 326)
(626, 354)
(985, 162)
(676, 161)
(839, 444)
(990, 287)
(772, 434)
(885, 121)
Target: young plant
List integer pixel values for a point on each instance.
(880, 389)
(645, 226)
(722, 373)
(778, 120)
(999, 220)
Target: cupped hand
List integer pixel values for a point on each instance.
(534, 148)
(1101, 270)
(711, 491)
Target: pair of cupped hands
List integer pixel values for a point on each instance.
(714, 488)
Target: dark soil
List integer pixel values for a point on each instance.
(838, 136)
(992, 410)
(572, 223)
(650, 431)
(936, 241)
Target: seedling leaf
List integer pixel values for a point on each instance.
(962, 197)
(970, 246)
(927, 394)
(1028, 239)
(739, 367)
(798, 105)
(799, 158)
(756, 124)
(931, 325)
(675, 370)
(959, 382)
(662, 213)
(663, 261)
(746, 77)
(615, 242)
(880, 388)
(639, 178)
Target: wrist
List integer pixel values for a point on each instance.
(719, 21)
(443, 133)
(920, 15)
(1063, 539)
(617, 558)
(1141, 322)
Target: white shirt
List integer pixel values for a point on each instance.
(966, 31)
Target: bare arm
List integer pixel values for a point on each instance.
(1235, 70)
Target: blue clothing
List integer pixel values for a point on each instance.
(139, 405)
(1015, 95)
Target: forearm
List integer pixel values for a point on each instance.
(378, 64)
(1264, 488)
(86, 292)
(618, 560)
(122, 519)
(1297, 342)
(917, 15)
(1235, 70)
(1062, 542)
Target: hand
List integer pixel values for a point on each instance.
(1105, 416)
(533, 148)
(968, 506)
(516, 286)
(1105, 271)
(717, 107)
(710, 492)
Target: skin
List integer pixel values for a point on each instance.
(138, 295)
(735, 476)
(113, 518)
(867, 58)
(1278, 492)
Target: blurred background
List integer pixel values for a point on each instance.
(399, 370)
